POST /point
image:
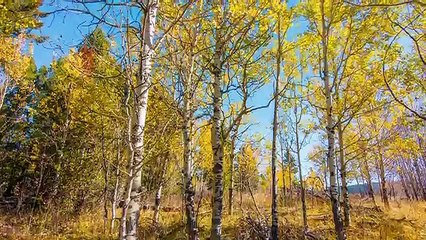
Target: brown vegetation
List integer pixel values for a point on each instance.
(404, 220)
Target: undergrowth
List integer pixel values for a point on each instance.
(405, 221)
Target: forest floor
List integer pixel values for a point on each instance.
(404, 220)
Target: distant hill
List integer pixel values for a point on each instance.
(363, 188)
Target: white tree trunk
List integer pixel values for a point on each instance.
(231, 173)
(157, 205)
(128, 187)
(369, 184)
(338, 224)
(302, 186)
(346, 204)
(385, 198)
(116, 188)
(187, 171)
(141, 107)
(217, 141)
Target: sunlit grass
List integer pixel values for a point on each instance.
(405, 220)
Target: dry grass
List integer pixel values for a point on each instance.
(405, 220)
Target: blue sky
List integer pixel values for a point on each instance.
(65, 30)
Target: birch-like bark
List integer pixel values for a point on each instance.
(189, 193)
(379, 178)
(404, 185)
(3, 90)
(128, 187)
(369, 184)
(302, 186)
(157, 204)
(383, 180)
(297, 120)
(338, 224)
(116, 187)
(339, 188)
(217, 141)
(231, 174)
(189, 89)
(414, 189)
(411, 180)
(274, 210)
(141, 107)
(105, 167)
(217, 147)
(325, 174)
(419, 178)
(346, 204)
